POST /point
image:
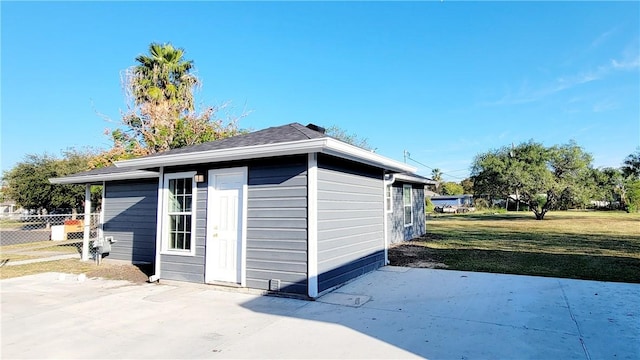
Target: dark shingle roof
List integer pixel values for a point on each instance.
(288, 139)
(105, 170)
(272, 135)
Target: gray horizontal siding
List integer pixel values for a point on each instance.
(190, 268)
(277, 225)
(182, 268)
(130, 217)
(396, 230)
(267, 204)
(350, 221)
(277, 234)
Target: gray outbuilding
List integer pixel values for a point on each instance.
(284, 209)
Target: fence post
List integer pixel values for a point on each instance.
(87, 222)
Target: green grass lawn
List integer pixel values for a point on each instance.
(581, 245)
(10, 224)
(40, 249)
(71, 266)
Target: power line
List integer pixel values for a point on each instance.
(458, 170)
(407, 156)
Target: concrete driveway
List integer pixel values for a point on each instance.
(390, 313)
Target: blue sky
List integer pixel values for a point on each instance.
(442, 80)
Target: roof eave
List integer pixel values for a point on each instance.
(98, 178)
(219, 155)
(415, 179)
(347, 151)
(326, 145)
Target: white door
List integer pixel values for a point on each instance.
(225, 210)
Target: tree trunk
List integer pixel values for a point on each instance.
(538, 213)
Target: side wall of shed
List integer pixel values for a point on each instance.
(397, 231)
(350, 220)
(130, 217)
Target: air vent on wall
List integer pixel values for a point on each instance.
(274, 285)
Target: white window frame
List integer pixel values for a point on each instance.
(388, 198)
(165, 213)
(404, 207)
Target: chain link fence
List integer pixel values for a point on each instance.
(26, 238)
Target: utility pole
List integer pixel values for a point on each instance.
(406, 155)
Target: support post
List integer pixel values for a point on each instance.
(312, 225)
(87, 222)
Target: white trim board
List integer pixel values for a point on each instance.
(159, 223)
(327, 145)
(312, 225)
(99, 178)
(165, 209)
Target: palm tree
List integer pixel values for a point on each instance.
(436, 175)
(164, 77)
(161, 113)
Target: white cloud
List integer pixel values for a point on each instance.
(626, 64)
(602, 38)
(605, 105)
(527, 95)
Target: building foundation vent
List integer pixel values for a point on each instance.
(274, 285)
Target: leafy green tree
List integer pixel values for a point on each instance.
(161, 113)
(543, 178)
(28, 185)
(350, 138)
(467, 186)
(572, 169)
(609, 187)
(428, 205)
(631, 165)
(451, 188)
(489, 174)
(633, 195)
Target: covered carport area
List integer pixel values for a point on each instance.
(98, 177)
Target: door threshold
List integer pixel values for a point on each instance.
(224, 283)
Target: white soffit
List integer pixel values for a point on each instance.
(414, 179)
(82, 179)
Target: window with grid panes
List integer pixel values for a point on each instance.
(180, 214)
(407, 199)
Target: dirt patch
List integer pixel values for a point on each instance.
(414, 256)
(428, 265)
(430, 237)
(133, 273)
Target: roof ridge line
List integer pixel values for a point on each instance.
(300, 131)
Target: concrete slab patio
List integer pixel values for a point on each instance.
(389, 313)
